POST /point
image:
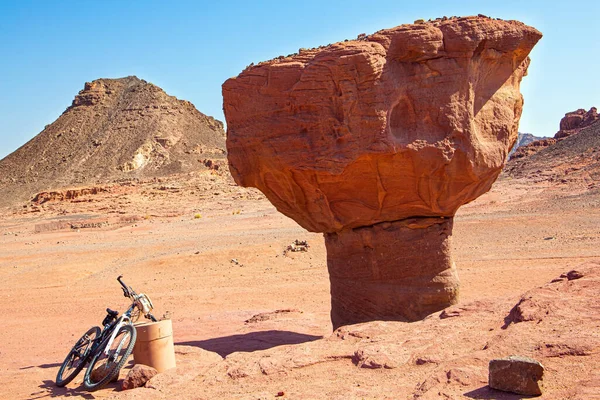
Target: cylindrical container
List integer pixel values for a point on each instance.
(154, 345)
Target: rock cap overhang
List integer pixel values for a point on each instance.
(410, 121)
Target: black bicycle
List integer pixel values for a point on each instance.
(106, 349)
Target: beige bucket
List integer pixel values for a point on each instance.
(154, 345)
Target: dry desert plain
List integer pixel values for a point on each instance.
(252, 323)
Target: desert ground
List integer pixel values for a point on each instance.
(211, 255)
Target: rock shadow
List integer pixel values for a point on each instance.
(252, 341)
(488, 393)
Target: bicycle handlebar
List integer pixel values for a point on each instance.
(121, 282)
(127, 290)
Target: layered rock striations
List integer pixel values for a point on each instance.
(378, 141)
(114, 129)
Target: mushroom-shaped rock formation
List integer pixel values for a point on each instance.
(377, 142)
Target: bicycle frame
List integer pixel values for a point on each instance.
(92, 350)
(123, 320)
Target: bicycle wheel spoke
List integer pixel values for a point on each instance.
(107, 363)
(76, 358)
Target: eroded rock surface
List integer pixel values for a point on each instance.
(393, 270)
(412, 121)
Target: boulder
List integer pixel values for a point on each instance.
(516, 374)
(409, 123)
(138, 376)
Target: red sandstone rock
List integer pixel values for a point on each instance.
(400, 270)
(574, 121)
(412, 121)
(521, 375)
(67, 194)
(138, 376)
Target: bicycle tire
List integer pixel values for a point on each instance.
(120, 351)
(77, 357)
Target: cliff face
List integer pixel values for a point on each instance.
(411, 121)
(114, 129)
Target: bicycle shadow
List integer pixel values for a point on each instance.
(49, 389)
(44, 366)
(252, 341)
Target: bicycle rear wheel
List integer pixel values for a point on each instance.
(77, 357)
(105, 365)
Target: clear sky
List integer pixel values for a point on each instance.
(49, 49)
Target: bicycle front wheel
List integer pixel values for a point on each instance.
(107, 362)
(77, 357)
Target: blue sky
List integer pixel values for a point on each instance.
(50, 48)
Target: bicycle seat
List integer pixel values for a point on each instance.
(112, 313)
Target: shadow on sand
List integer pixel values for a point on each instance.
(251, 341)
(43, 366)
(488, 393)
(49, 389)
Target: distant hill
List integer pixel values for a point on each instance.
(114, 129)
(523, 140)
(572, 123)
(575, 157)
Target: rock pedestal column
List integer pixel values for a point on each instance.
(399, 270)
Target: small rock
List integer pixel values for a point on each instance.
(100, 372)
(296, 246)
(516, 374)
(138, 376)
(572, 275)
(372, 359)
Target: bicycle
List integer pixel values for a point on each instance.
(106, 349)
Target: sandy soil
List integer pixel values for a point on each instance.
(212, 255)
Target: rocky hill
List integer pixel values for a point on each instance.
(115, 129)
(572, 123)
(570, 158)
